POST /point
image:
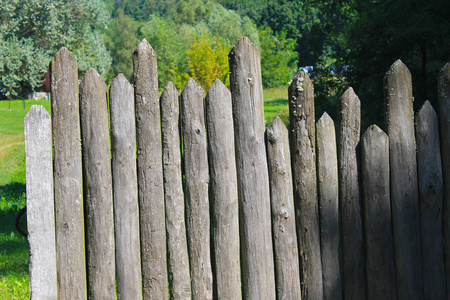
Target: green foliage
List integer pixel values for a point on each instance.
(230, 26)
(21, 66)
(278, 58)
(14, 277)
(41, 27)
(208, 61)
(416, 32)
(192, 12)
(166, 39)
(121, 40)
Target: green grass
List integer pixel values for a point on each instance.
(276, 104)
(13, 247)
(14, 277)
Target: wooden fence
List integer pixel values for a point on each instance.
(193, 198)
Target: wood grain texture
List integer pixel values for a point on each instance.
(353, 265)
(40, 204)
(287, 266)
(150, 174)
(177, 249)
(431, 196)
(379, 247)
(404, 185)
(97, 187)
(258, 275)
(196, 187)
(303, 134)
(126, 204)
(444, 122)
(70, 246)
(328, 182)
(224, 191)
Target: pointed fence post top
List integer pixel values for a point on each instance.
(217, 84)
(63, 62)
(325, 119)
(299, 83)
(349, 95)
(37, 112)
(92, 78)
(275, 131)
(170, 86)
(120, 79)
(244, 44)
(191, 85)
(398, 69)
(277, 122)
(426, 110)
(217, 88)
(373, 130)
(63, 53)
(144, 47)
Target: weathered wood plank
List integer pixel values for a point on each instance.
(404, 186)
(287, 266)
(327, 173)
(70, 246)
(431, 196)
(40, 205)
(177, 251)
(253, 180)
(353, 265)
(125, 193)
(379, 247)
(224, 191)
(97, 180)
(301, 114)
(197, 198)
(150, 176)
(444, 118)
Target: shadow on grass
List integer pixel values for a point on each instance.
(276, 102)
(13, 246)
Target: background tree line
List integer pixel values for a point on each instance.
(346, 42)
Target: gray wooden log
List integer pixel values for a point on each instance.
(150, 177)
(327, 173)
(444, 118)
(125, 193)
(379, 247)
(431, 196)
(97, 180)
(224, 191)
(40, 205)
(70, 247)
(177, 251)
(197, 198)
(301, 114)
(287, 266)
(353, 265)
(258, 273)
(404, 187)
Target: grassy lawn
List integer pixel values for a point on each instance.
(13, 247)
(276, 104)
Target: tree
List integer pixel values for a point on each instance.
(417, 32)
(170, 46)
(208, 60)
(278, 57)
(121, 40)
(21, 66)
(42, 27)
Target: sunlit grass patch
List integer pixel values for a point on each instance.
(276, 104)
